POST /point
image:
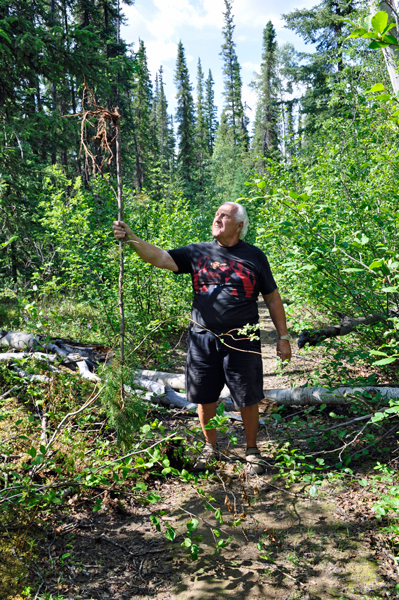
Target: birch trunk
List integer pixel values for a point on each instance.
(391, 54)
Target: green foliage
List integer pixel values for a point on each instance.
(233, 112)
(185, 123)
(125, 411)
(265, 142)
(328, 220)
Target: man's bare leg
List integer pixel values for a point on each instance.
(205, 413)
(250, 418)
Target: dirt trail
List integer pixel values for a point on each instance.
(288, 545)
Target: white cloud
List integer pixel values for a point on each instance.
(251, 66)
(249, 98)
(198, 24)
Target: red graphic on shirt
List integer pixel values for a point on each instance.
(212, 276)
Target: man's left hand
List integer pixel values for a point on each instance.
(284, 350)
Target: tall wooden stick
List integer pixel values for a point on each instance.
(103, 117)
(120, 218)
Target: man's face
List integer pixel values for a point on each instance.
(224, 224)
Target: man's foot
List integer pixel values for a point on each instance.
(208, 455)
(255, 462)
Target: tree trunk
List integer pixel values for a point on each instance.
(347, 325)
(391, 54)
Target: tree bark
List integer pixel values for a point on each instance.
(161, 384)
(347, 325)
(391, 54)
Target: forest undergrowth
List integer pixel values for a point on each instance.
(75, 461)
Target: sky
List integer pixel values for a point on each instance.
(161, 24)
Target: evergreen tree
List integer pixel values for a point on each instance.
(234, 109)
(266, 135)
(162, 123)
(200, 131)
(210, 112)
(200, 122)
(321, 25)
(186, 157)
(142, 107)
(162, 133)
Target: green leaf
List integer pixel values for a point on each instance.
(152, 497)
(155, 521)
(390, 38)
(192, 524)
(194, 552)
(383, 97)
(393, 289)
(293, 195)
(261, 185)
(385, 361)
(313, 491)
(15, 237)
(376, 264)
(357, 33)
(378, 87)
(187, 543)
(32, 452)
(140, 486)
(220, 409)
(170, 534)
(380, 21)
(378, 416)
(364, 240)
(352, 270)
(218, 515)
(216, 532)
(375, 45)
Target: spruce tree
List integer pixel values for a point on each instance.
(321, 25)
(142, 107)
(163, 138)
(234, 109)
(210, 112)
(200, 122)
(200, 131)
(266, 135)
(186, 157)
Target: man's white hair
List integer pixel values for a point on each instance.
(241, 215)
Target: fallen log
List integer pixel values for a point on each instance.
(174, 380)
(85, 372)
(346, 326)
(74, 355)
(315, 396)
(311, 396)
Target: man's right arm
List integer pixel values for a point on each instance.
(149, 253)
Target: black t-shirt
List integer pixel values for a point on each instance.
(226, 283)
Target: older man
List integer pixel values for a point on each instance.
(227, 276)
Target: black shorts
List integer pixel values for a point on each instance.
(211, 364)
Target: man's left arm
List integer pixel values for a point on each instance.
(276, 309)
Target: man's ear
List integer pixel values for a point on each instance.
(240, 225)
